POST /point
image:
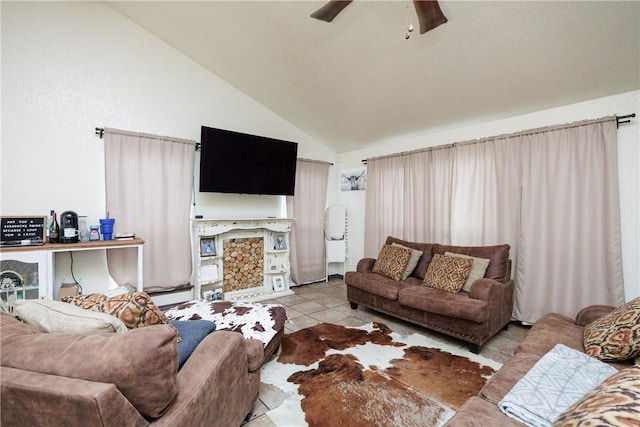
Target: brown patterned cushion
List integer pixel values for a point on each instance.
(613, 403)
(392, 261)
(478, 268)
(447, 273)
(616, 336)
(135, 309)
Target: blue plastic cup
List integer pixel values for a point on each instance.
(106, 228)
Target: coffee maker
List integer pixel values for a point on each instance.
(69, 227)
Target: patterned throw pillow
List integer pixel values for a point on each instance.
(616, 336)
(478, 268)
(447, 273)
(613, 403)
(135, 309)
(392, 261)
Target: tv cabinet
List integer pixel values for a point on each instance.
(241, 259)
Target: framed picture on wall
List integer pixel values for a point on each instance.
(279, 242)
(207, 247)
(278, 283)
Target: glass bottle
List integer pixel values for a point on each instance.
(83, 230)
(54, 230)
(49, 222)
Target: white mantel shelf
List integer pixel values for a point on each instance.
(210, 269)
(218, 226)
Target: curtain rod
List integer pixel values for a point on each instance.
(100, 133)
(619, 120)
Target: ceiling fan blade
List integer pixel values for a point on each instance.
(429, 14)
(330, 10)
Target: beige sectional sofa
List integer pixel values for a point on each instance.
(474, 316)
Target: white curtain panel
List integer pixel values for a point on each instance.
(569, 244)
(149, 186)
(306, 207)
(409, 196)
(551, 193)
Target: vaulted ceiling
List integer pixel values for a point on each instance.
(357, 81)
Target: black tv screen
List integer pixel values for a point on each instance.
(234, 162)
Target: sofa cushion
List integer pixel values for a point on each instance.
(498, 255)
(377, 284)
(135, 309)
(616, 336)
(612, 403)
(11, 326)
(191, 332)
(477, 412)
(425, 259)
(432, 300)
(549, 330)
(142, 363)
(392, 261)
(58, 316)
(502, 381)
(413, 260)
(478, 268)
(447, 273)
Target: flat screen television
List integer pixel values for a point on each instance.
(234, 162)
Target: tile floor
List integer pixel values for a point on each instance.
(327, 302)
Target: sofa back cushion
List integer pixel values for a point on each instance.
(421, 268)
(142, 363)
(498, 255)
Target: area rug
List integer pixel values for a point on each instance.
(333, 375)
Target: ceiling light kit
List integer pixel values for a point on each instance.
(429, 14)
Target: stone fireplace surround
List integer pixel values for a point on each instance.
(247, 261)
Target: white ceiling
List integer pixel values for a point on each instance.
(357, 81)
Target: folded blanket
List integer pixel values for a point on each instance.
(336, 250)
(555, 382)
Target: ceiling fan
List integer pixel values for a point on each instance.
(429, 13)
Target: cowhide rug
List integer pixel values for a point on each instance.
(332, 375)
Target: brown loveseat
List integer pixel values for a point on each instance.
(130, 379)
(551, 329)
(473, 316)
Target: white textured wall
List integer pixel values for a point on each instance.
(628, 157)
(68, 67)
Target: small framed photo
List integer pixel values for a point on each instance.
(279, 242)
(207, 247)
(278, 283)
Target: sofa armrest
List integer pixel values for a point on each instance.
(255, 354)
(591, 313)
(213, 384)
(365, 265)
(33, 398)
(488, 289)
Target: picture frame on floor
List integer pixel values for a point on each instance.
(278, 283)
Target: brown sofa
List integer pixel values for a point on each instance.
(551, 329)
(473, 316)
(130, 379)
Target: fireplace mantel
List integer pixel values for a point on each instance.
(221, 267)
